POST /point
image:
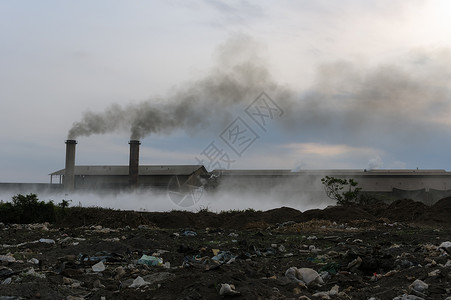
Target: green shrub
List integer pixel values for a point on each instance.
(334, 190)
(27, 209)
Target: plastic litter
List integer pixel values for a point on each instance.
(139, 282)
(334, 290)
(150, 260)
(331, 268)
(189, 233)
(419, 286)
(47, 241)
(228, 290)
(101, 256)
(33, 261)
(7, 258)
(308, 276)
(7, 280)
(287, 223)
(355, 264)
(98, 267)
(31, 272)
(322, 295)
(446, 245)
(305, 275)
(223, 257)
(290, 273)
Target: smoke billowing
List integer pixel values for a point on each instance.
(238, 77)
(348, 102)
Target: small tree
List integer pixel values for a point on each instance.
(334, 190)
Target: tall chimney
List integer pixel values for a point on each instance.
(69, 176)
(133, 167)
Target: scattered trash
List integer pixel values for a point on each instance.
(355, 264)
(287, 223)
(419, 286)
(7, 258)
(373, 262)
(149, 279)
(150, 260)
(139, 282)
(334, 290)
(189, 233)
(322, 295)
(33, 261)
(305, 275)
(7, 280)
(446, 246)
(31, 272)
(223, 257)
(308, 276)
(331, 268)
(291, 273)
(47, 241)
(98, 267)
(228, 290)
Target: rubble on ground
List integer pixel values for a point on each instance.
(263, 255)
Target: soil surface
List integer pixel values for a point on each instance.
(373, 251)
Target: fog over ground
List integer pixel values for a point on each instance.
(222, 199)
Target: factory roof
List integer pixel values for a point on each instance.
(335, 172)
(123, 170)
(189, 169)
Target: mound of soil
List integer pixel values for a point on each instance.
(405, 210)
(439, 213)
(399, 211)
(86, 216)
(338, 214)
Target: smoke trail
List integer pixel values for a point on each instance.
(348, 102)
(239, 76)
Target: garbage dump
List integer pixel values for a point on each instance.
(279, 254)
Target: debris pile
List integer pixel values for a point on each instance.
(282, 258)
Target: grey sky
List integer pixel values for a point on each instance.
(360, 81)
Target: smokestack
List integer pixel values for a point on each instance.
(69, 176)
(133, 167)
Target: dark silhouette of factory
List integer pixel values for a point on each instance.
(424, 185)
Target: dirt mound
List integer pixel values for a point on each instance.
(399, 211)
(280, 215)
(405, 210)
(87, 216)
(376, 209)
(183, 219)
(338, 214)
(439, 213)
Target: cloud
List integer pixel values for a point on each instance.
(325, 150)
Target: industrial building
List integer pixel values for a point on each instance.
(427, 186)
(117, 177)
